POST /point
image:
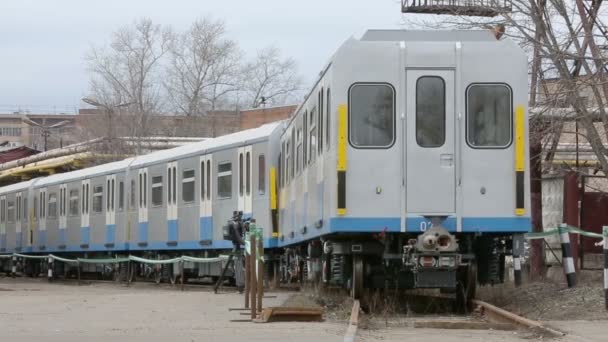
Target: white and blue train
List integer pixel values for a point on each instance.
(406, 166)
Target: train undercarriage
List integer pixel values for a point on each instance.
(436, 259)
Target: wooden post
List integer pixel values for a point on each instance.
(78, 266)
(181, 270)
(260, 272)
(252, 272)
(247, 278)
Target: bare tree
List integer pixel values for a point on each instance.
(269, 79)
(203, 69)
(128, 71)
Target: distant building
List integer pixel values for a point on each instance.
(18, 130)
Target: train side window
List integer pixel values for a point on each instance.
(25, 214)
(287, 161)
(141, 196)
(121, 195)
(261, 174)
(2, 212)
(371, 115)
(312, 136)
(87, 197)
(305, 140)
(10, 212)
(208, 180)
(97, 199)
(327, 120)
(52, 205)
(321, 120)
(203, 180)
(241, 184)
(188, 186)
(248, 173)
(299, 151)
(73, 202)
(133, 191)
(489, 115)
(108, 197)
(113, 193)
(430, 111)
(157, 191)
(224, 180)
(18, 205)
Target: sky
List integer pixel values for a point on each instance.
(43, 42)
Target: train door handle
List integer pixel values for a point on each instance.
(446, 160)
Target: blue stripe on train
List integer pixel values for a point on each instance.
(206, 228)
(110, 233)
(62, 236)
(418, 224)
(85, 235)
(142, 232)
(172, 231)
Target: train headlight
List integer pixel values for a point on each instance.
(447, 261)
(427, 261)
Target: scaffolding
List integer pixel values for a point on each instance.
(479, 8)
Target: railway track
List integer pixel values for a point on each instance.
(484, 317)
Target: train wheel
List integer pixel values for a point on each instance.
(357, 283)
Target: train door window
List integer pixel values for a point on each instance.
(430, 111)
(98, 199)
(141, 190)
(25, 213)
(53, 205)
(261, 174)
(188, 180)
(293, 153)
(112, 195)
(132, 197)
(299, 151)
(203, 180)
(121, 195)
(157, 191)
(312, 136)
(241, 185)
(248, 173)
(18, 205)
(287, 161)
(224, 180)
(35, 208)
(83, 198)
(10, 211)
(108, 197)
(87, 198)
(489, 115)
(174, 188)
(305, 140)
(73, 202)
(145, 189)
(2, 210)
(208, 180)
(371, 115)
(327, 120)
(61, 198)
(321, 117)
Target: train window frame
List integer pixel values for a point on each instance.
(511, 123)
(97, 199)
(74, 210)
(52, 204)
(157, 191)
(444, 112)
(10, 207)
(394, 115)
(223, 194)
(121, 195)
(328, 120)
(261, 174)
(188, 180)
(312, 133)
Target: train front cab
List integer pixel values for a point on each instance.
(431, 160)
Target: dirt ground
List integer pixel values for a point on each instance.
(552, 299)
(33, 310)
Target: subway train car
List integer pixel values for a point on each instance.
(157, 205)
(406, 166)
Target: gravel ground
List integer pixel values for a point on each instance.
(552, 299)
(32, 310)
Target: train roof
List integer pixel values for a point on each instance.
(429, 35)
(207, 146)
